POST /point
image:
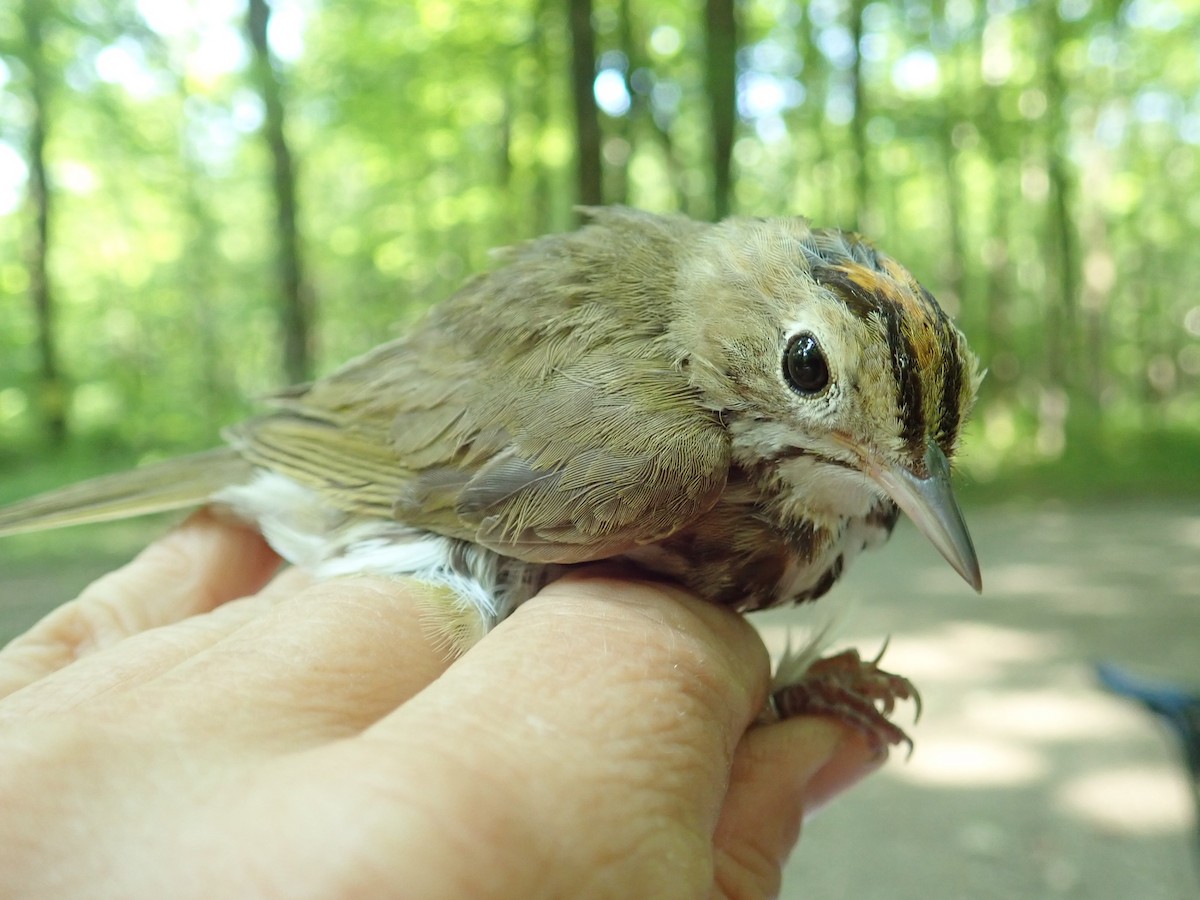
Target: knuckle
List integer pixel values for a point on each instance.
(120, 604)
(746, 871)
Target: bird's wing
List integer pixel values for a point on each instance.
(602, 457)
(169, 484)
(595, 460)
(536, 412)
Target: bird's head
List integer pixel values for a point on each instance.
(833, 368)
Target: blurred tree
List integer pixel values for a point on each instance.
(858, 119)
(721, 42)
(295, 300)
(587, 119)
(646, 118)
(618, 148)
(51, 390)
(543, 113)
(1061, 262)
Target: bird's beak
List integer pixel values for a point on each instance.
(930, 503)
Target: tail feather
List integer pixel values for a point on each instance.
(171, 484)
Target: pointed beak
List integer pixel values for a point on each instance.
(930, 503)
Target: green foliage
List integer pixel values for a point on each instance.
(1035, 163)
(1095, 463)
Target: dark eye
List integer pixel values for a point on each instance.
(804, 365)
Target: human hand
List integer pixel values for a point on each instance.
(161, 737)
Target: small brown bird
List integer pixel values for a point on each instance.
(741, 406)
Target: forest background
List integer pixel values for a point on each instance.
(203, 201)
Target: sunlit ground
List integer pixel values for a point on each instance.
(1027, 780)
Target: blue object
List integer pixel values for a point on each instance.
(1178, 706)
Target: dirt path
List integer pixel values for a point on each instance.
(1027, 781)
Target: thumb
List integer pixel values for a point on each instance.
(781, 773)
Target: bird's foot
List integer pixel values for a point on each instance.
(854, 690)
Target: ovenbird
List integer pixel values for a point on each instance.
(741, 406)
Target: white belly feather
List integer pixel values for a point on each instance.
(309, 532)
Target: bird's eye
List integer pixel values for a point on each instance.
(804, 365)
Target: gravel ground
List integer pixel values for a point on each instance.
(1027, 781)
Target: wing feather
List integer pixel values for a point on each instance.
(537, 412)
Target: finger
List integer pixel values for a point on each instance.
(781, 774)
(203, 563)
(139, 659)
(289, 583)
(321, 664)
(853, 762)
(613, 703)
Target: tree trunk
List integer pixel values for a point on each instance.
(587, 119)
(546, 200)
(1062, 265)
(643, 117)
(858, 124)
(52, 393)
(997, 346)
(720, 31)
(815, 170)
(295, 312)
(618, 167)
(954, 263)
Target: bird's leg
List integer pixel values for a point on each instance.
(854, 690)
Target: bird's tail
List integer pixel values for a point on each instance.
(170, 484)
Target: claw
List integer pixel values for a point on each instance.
(854, 690)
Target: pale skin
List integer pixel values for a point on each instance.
(195, 726)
